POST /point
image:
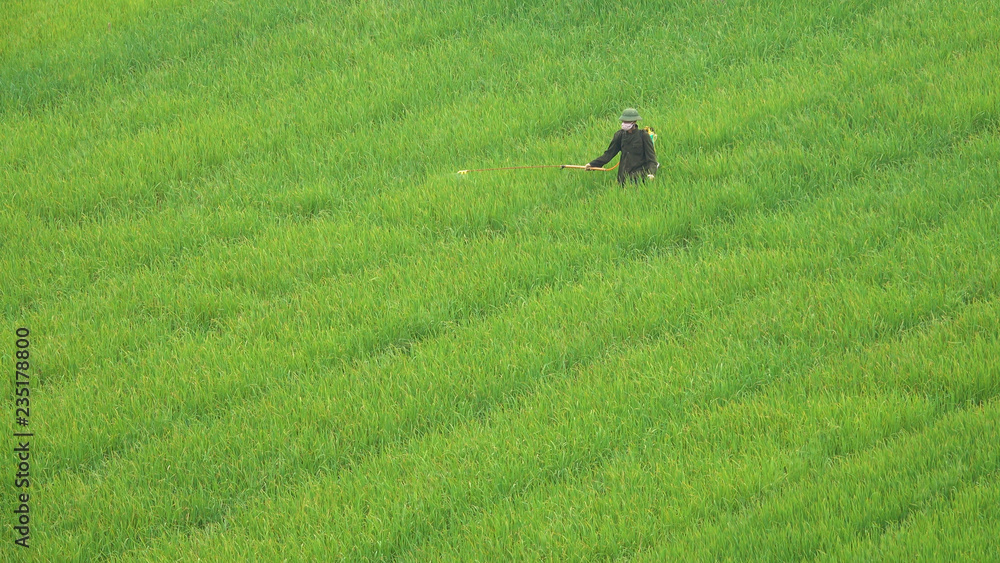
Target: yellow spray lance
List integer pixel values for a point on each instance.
(575, 166)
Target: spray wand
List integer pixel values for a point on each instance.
(574, 166)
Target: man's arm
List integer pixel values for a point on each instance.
(614, 148)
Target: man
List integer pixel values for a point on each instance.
(638, 161)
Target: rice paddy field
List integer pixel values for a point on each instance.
(269, 322)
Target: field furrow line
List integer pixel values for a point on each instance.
(944, 529)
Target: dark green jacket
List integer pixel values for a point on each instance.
(638, 156)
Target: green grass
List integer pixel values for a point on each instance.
(270, 322)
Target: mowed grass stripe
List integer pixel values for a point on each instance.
(398, 372)
(705, 455)
(420, 472)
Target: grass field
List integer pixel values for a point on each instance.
(269, 322)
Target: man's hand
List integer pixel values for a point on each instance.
(588, 166)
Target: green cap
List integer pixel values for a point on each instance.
(630, 114)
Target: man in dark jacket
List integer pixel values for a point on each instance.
(638, 160)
